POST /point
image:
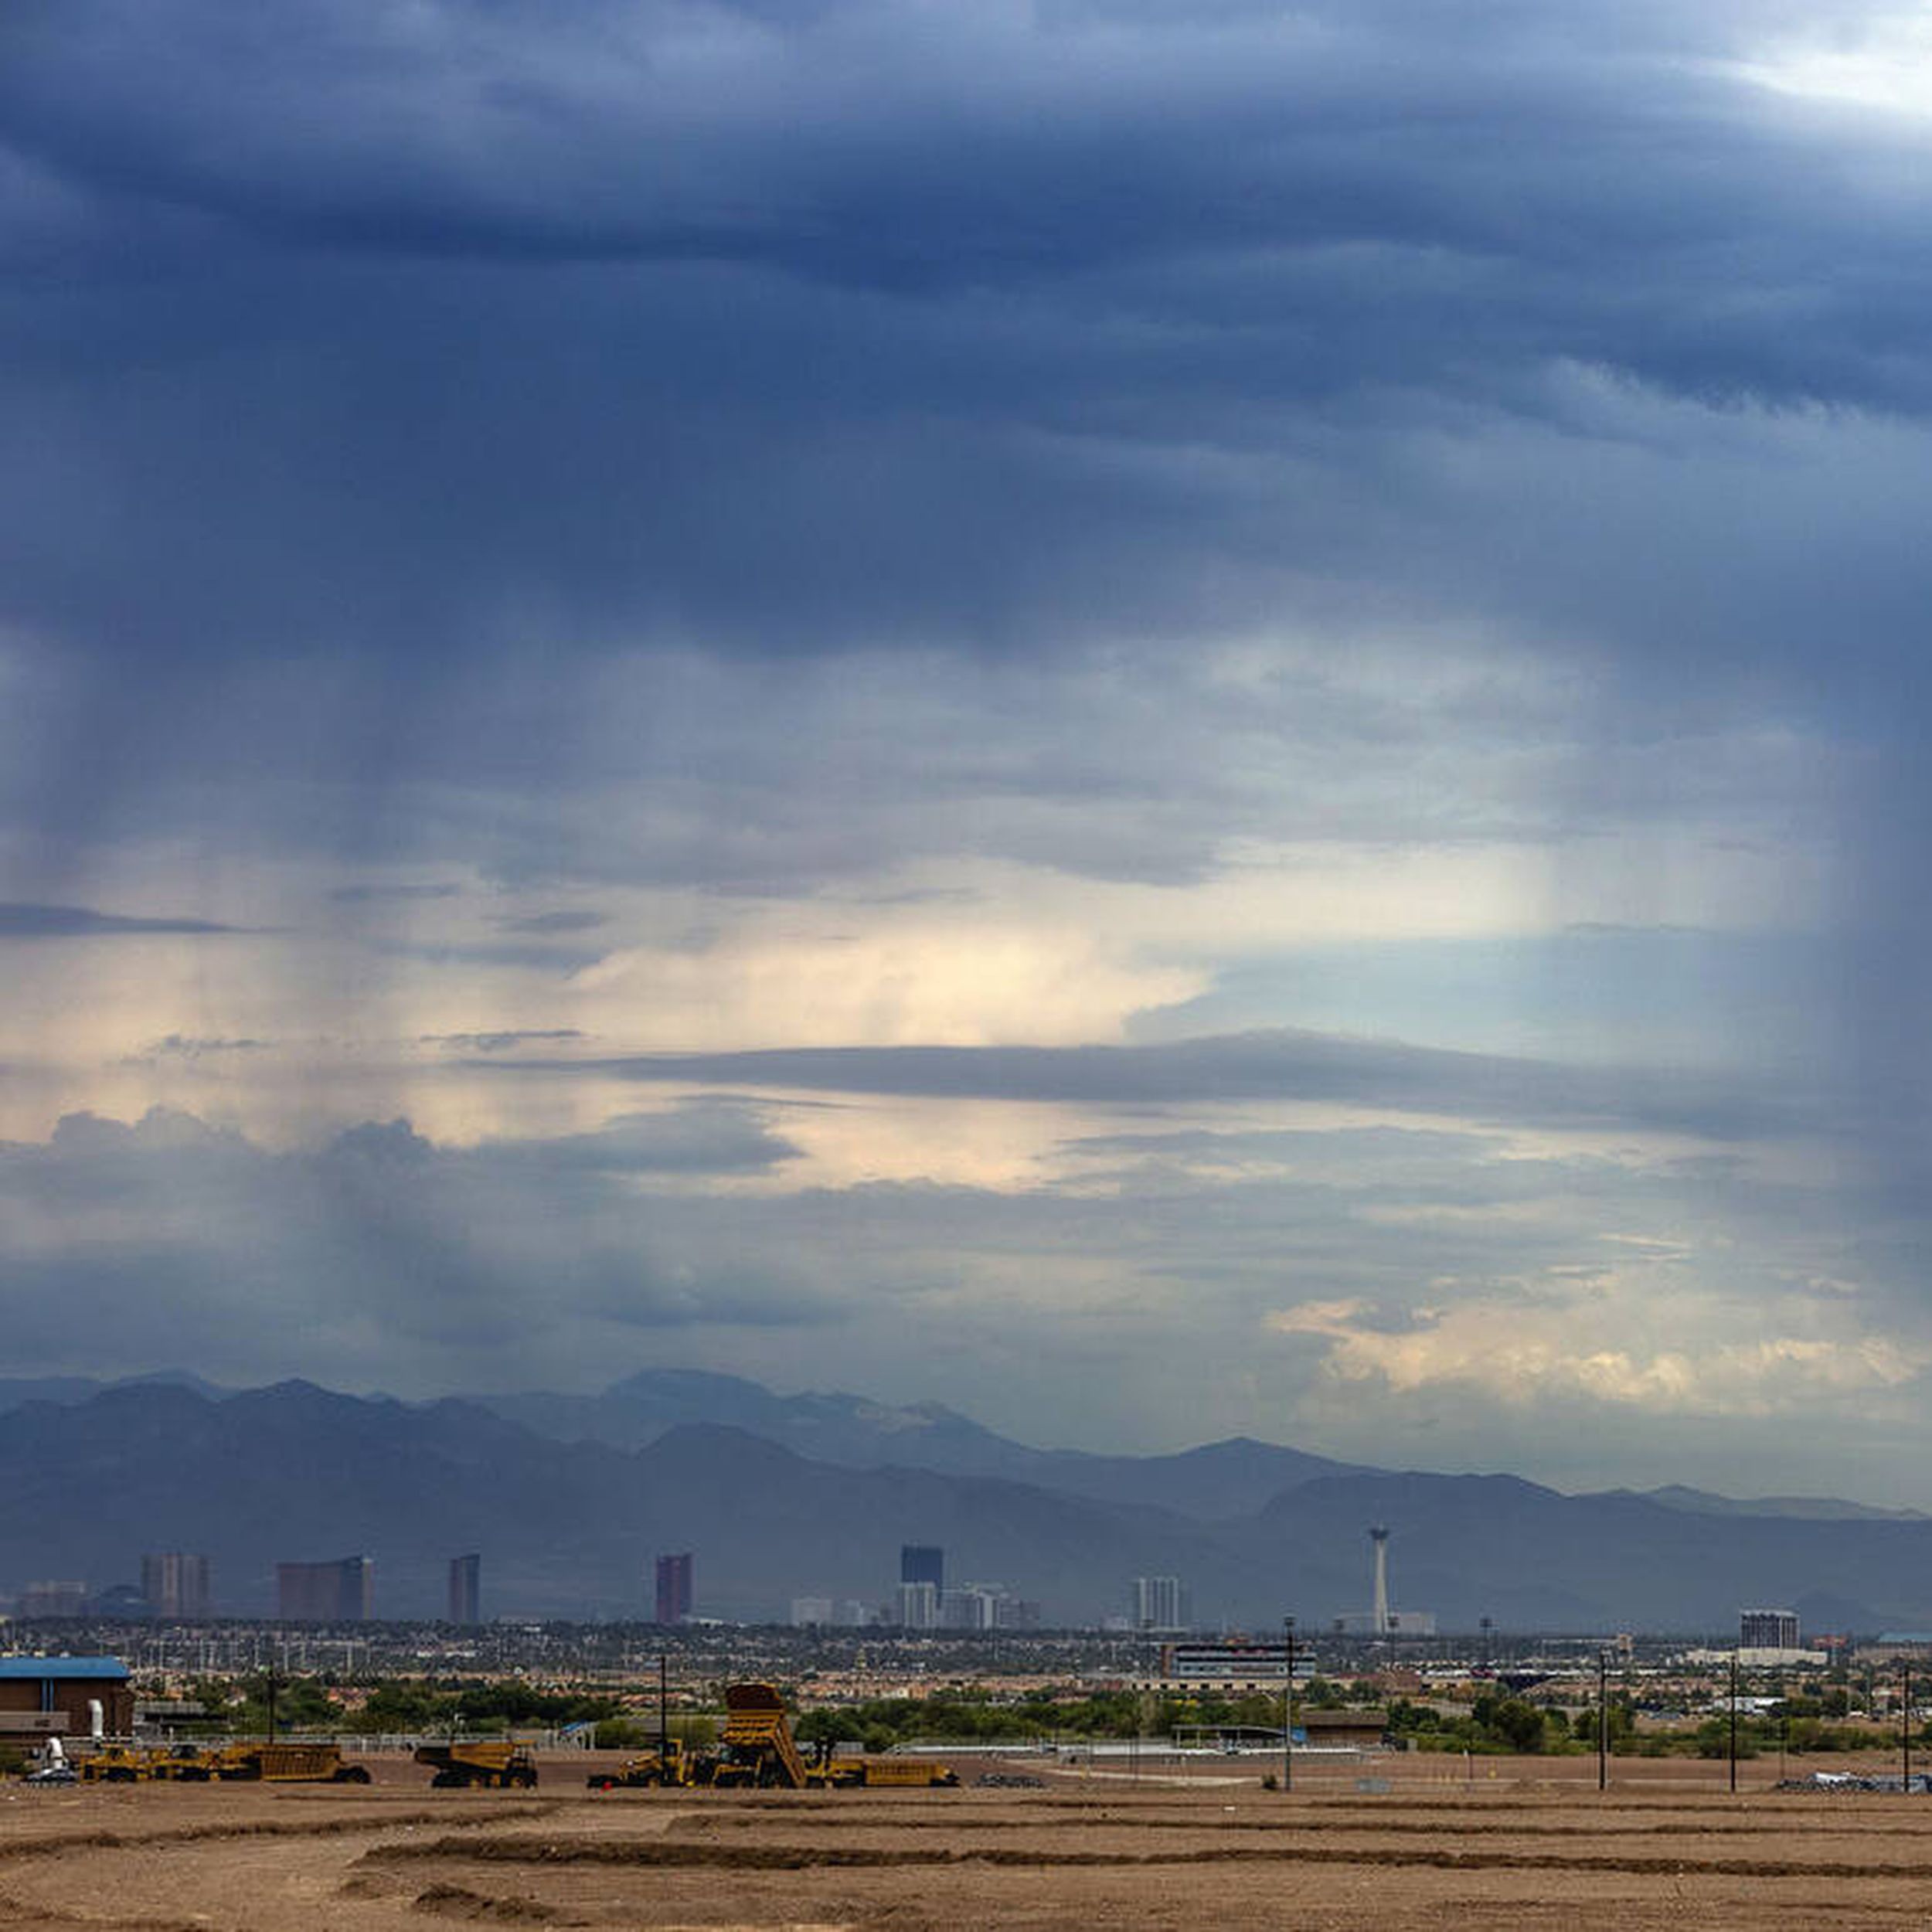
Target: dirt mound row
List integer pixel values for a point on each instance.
(113, 1838)
(659, 1853)
(1373, 1824)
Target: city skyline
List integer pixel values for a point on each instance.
(1178, 721)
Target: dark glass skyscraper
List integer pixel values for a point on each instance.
(922, 1564)
(466, 1590)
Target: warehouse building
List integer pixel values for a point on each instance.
(52, 1697)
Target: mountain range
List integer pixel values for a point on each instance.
(568, 1498)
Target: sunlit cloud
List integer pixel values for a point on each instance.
(1531, 1353)
(1872, 58)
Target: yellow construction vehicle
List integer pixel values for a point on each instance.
(185, 1764)
(756, 1746)
(242, 1760)
(673, 1765)
(116, 1764)
(489, 1761)
(878, 1774)
(283, 1764)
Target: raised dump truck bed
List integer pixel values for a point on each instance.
(757, 1747)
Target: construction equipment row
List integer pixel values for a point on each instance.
(756, 1748)
(483, 1762)
(198, 1764)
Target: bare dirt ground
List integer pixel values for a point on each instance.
(1523, 1844)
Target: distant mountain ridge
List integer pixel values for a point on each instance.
(1702, 1502)
(16, 1390)
(568, 1523)
(1219, 1479)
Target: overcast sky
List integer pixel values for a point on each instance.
(1163, 719)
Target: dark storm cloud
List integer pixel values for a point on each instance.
(18, 921)
(531, 958)
(387, 895)
(187, 1047)
(716, 1135)
(546, 924)
(500, 1043)
(769, 450)
(959, 324)
(1279, 1065)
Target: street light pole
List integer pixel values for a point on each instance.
(1287, 1705)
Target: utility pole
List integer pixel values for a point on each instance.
(1288, 1704)
(1734, 1720)
(1603, 1720)
(664, 1721)
(1905, 1724)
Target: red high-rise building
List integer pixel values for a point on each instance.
(674, 1587)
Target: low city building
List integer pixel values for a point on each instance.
(1336, 1730)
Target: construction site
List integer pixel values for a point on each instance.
(1032, 1843)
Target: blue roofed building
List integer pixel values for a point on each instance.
(52, 1696)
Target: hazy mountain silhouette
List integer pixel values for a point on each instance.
(569, 1528)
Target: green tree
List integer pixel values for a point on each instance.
(1512, 1722)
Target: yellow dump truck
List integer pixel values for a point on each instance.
(489, 1761)
(756, 1746)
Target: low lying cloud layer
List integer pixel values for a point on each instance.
(1396, 1290)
